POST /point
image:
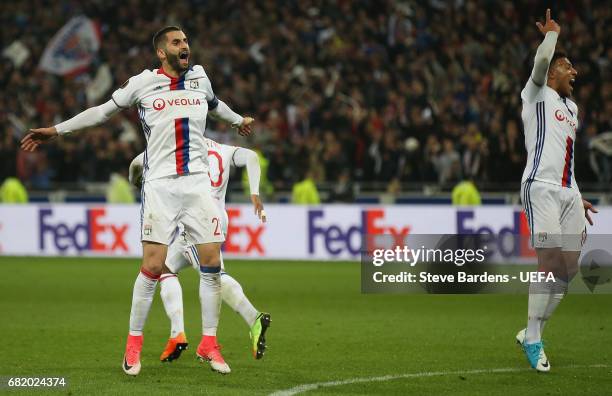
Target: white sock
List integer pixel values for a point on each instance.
(557, 293)
(172, 297)
(539, 294)
(210, 300)
(234, 296)
(142, 297)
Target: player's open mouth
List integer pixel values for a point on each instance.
(184, 55)
(571, 82)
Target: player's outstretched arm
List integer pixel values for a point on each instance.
(249, 159)
(221, 111)
(90, 117)
(550, 29)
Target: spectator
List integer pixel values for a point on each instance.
(373, 77)
(12, 191)
(342, 190)
(447, 163)
(466, 194)
(305, 192)
(119, 190)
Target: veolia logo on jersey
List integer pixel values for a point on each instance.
(560, 116)
(160, 104)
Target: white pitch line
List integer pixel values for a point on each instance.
(308, 387)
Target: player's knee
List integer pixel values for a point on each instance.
(166, 270)
(211, 261)
(210, 255)
(153, 258)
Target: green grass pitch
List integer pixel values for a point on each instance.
(69, 317)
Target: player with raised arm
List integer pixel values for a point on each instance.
(555, 209)
(181, 253)
(173, 102)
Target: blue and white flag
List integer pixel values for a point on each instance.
(73, 48)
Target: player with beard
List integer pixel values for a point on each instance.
(173, 102)
(555, 209)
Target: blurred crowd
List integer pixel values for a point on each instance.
(343, 91)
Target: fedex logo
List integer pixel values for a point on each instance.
(92, 234)
(337, 240)
(509, 241)
(242, 238)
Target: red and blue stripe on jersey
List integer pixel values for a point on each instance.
(181, 128)
(176, 84)
(181, 152)
(566, 180)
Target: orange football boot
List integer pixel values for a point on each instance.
(174, 347)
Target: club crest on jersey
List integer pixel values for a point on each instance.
(542, 237)
(194, 84)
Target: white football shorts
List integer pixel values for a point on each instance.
(182, 253)
(170, 201)
(555, 215)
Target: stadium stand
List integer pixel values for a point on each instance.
(420, 93)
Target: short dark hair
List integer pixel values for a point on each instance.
(557, 55)
(161, 35)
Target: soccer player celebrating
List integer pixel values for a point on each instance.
(173, 102)
(555, 209)
(181, 253)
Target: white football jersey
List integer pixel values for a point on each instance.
(173, 114)
(550, 124)
(220, 158)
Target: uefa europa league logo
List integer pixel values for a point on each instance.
(596, 268)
